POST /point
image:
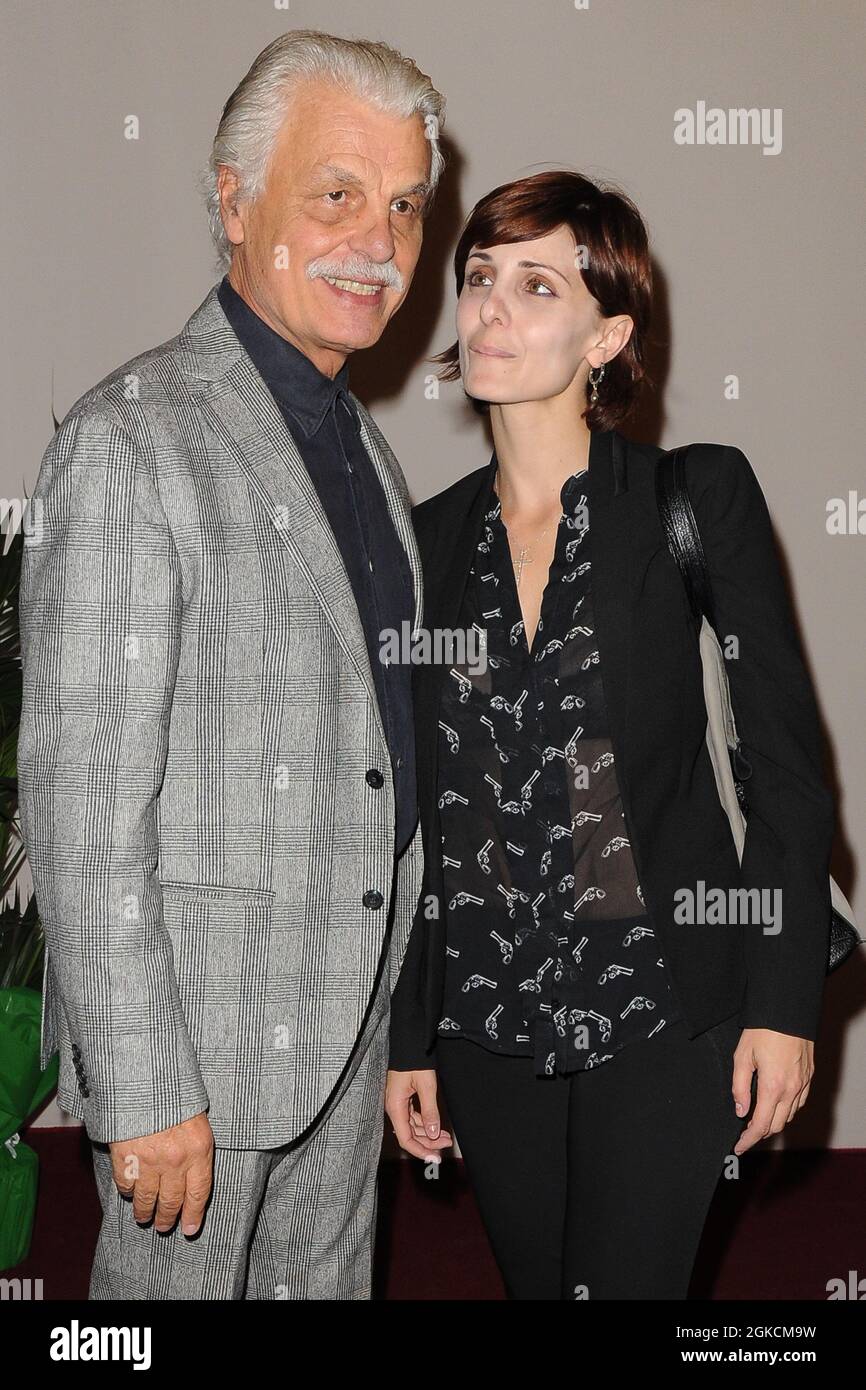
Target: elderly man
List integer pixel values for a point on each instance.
(216, 770)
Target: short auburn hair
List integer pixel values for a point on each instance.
(617, 272)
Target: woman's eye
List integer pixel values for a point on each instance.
(548, 291)
(472, 277)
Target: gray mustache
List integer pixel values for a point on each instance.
(387, 274)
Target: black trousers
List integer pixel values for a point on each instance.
(596, 1185)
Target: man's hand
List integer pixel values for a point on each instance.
(418, 1131)
(171, 1171)
(785, 1067)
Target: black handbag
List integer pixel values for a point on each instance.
(730, 765)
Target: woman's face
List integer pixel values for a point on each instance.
(526, 323)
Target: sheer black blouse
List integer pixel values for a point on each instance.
(550, 950)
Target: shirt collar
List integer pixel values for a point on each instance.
(295, 381)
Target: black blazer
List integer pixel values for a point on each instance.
(652, 678)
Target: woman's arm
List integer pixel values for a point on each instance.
(791, 817)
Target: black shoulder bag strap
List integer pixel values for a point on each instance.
(681, 529)
(684, 542)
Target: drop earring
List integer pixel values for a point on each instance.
(595, 382)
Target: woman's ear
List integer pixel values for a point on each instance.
(616, 334)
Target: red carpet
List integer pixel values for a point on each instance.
(791, 1222)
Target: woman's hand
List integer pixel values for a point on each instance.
(418, 1131)
(785, 1067)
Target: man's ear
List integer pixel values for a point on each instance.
(228, 187)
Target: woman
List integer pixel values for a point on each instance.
(595, 1029)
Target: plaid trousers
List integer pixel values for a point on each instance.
(295, 1222)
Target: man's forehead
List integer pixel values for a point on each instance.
(349, 134)
(353, 168)
(325, 109)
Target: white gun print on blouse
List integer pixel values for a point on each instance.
(572, 574)
(514, 808)
(553, 645)
(503, 757)
(506, 950)
(483, 857)
(461, 899)
(617, 843)
(549, 753)
(452, 736)
(499, 702)
(604, 761)
(490, 1027)
(464, 684)
(535, 904)
(448, 798)
(511, 896)
(640, 1001)
(476, 981)
(613, 971)
(604, 1024)
(593, 1060)
(636, 934)
(592, 892)
(533, 986)
(577, 953)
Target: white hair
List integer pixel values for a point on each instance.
(254, 113)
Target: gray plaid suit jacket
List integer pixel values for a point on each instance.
(198, 718)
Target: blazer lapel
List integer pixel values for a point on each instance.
(610, 503)
(252, 430)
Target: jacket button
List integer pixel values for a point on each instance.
(374, 777)
(372, 898)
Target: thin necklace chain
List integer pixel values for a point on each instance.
(524, 557)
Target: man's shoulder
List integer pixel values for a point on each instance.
(140, 377)
(136, 393)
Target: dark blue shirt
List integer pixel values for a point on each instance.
(321, 418)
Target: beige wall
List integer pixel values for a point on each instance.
(758, 259)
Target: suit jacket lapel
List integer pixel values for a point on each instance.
(610, 502)
(252, 429)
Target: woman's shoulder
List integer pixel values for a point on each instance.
(701, 457)
(715, 474)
